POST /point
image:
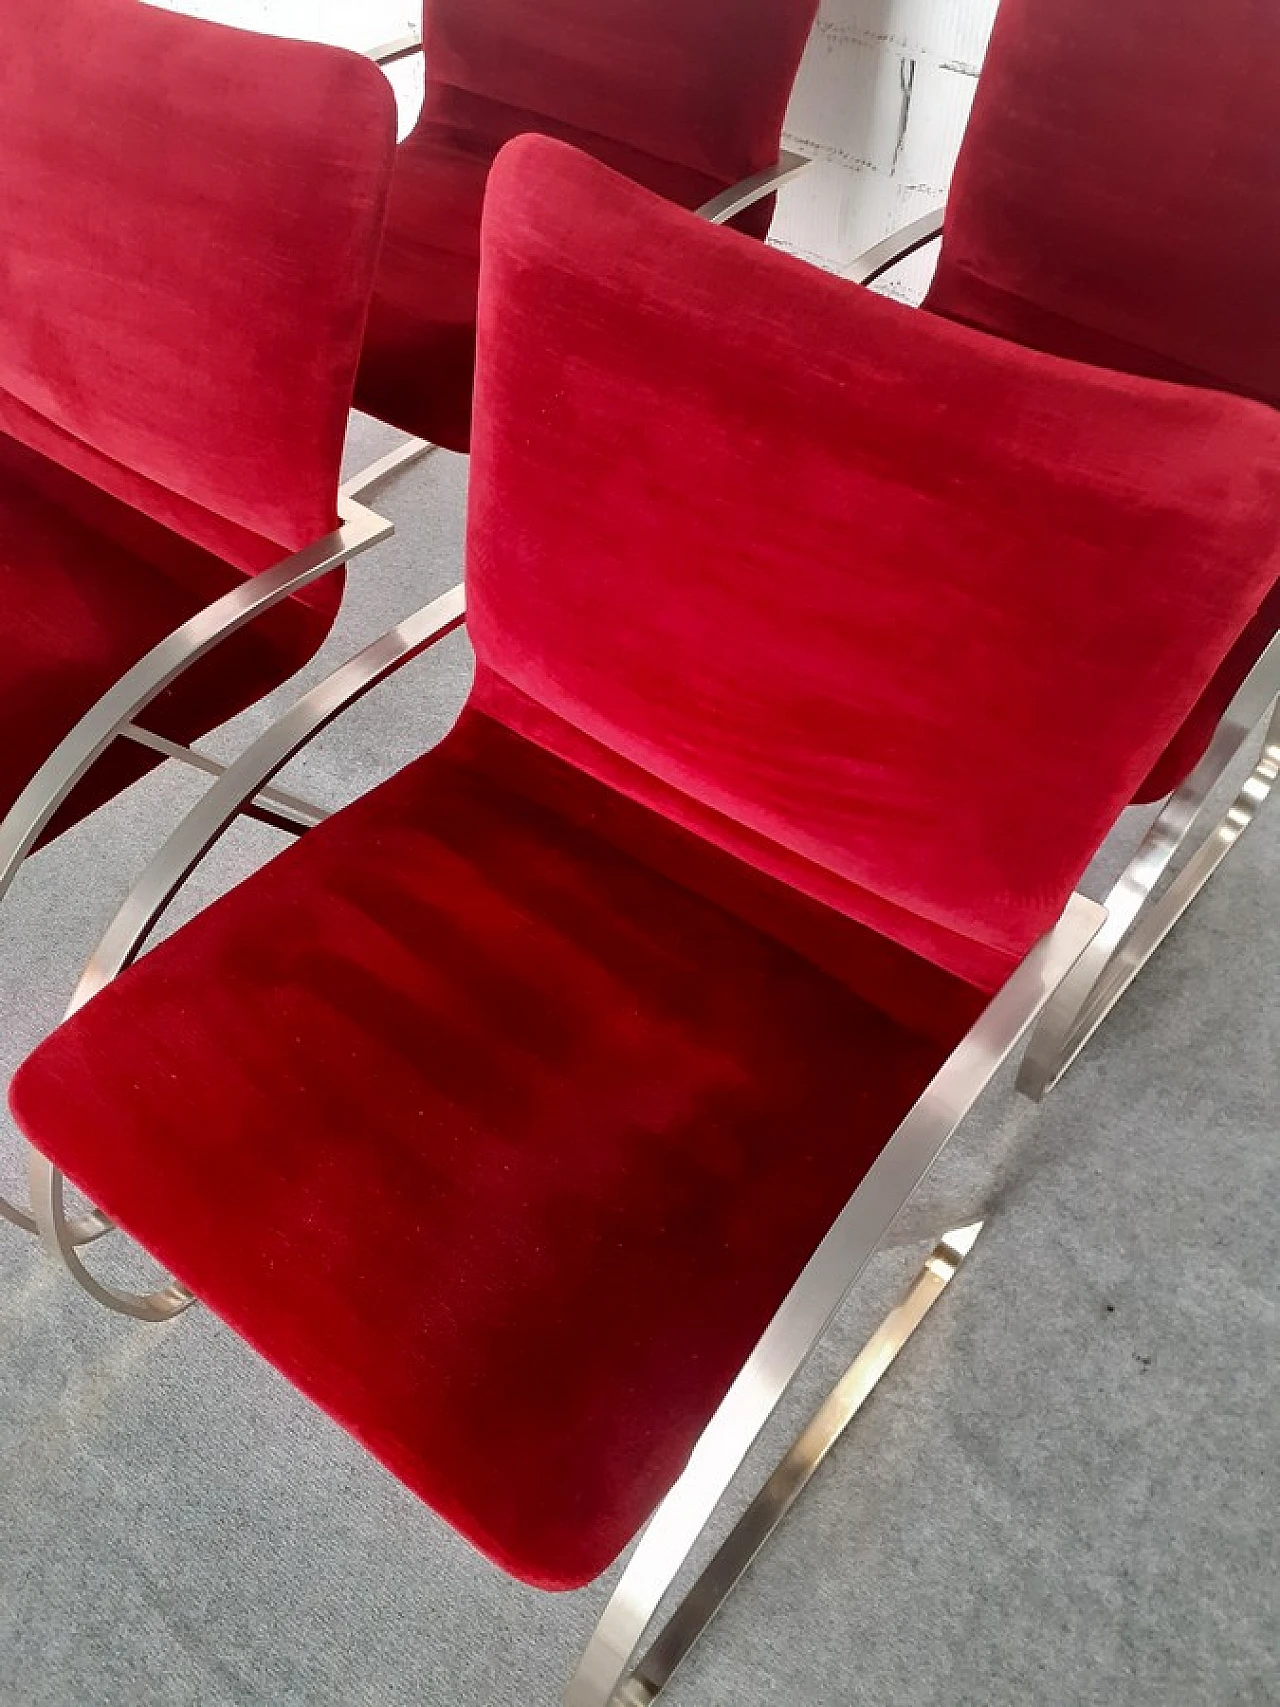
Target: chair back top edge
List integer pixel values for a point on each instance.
(704, 86)
(189, 223)
(1115, 195)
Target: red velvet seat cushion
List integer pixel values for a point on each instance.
(507, 1145)
(685, 99)
(1115, 202)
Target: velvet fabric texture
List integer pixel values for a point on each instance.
(507, 1145)
(903, 599)
(187, 257)
(501, 1112)
(1115, 202)
(686, 99)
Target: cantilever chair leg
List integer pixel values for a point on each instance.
(794, 1471)
(608, 1675)
(115, 716)
(1139, 919)
(128, 932)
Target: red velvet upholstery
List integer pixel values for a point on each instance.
(684, 98)
(187, 258)
(501, 1111)
(490, 1164)
(1115, 201)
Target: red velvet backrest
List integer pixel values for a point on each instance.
(189, 223)
(1117, 196)
(703, 83)
(847, 589)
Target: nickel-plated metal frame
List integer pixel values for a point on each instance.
(115, 715)
(746, 193)
(793, 1473)
(403, 456)
(609, 1673)
(283, 811)
(882, 257)
(401, 47)
(1140, 914)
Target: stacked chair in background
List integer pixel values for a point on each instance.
(686, 99)
(539, 1109)
(1115, 201)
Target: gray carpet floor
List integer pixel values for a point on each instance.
(1065, 1493)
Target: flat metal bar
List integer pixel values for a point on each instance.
(402, 47)
(403, 456)
(152, 674)
(797, 1468)
(272, 805)
(805, 1313)
(739, 197)
(81, 1229)
(47, 1186)
(1159, 917)
(1094, 987)
(882, 257)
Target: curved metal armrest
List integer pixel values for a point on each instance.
(165, 662)
(604, 1675)
(403, 47)
(739, 197)
(208, 820)
(883, 256)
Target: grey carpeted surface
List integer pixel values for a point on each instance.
(1066, 1492)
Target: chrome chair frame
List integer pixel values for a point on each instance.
(882, 257)
(114, 716)
(390, 52)
(609, 1674)
(718, 211)
(1140, 914)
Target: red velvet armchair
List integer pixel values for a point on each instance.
(687, 99)
(539, 1109)
(1115, 201)
(180, 323)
